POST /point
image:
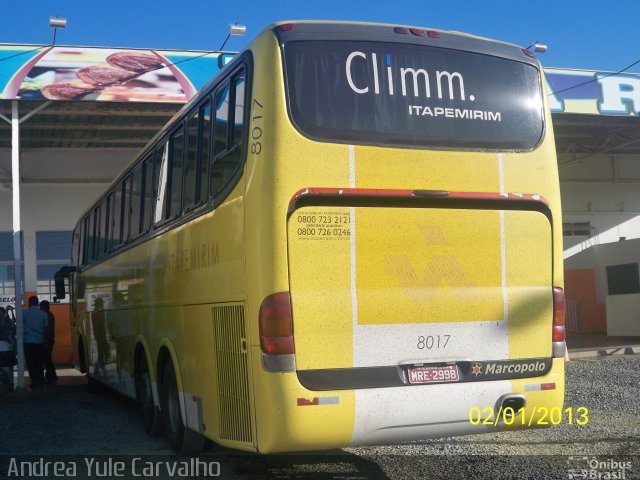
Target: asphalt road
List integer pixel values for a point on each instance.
(78, 426)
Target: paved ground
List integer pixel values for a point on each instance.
(83, 426)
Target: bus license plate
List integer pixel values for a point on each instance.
(447, 373)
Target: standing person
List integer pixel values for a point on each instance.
(7, 331)
(50, 376)
(7, 352)
(35, 337)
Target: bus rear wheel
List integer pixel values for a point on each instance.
(182, 439)
(151, 419)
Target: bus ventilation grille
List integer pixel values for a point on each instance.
(234, 414)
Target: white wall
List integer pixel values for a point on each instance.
(59, 186)
(604, 191)
(45, 207)
(623, 315)
(56, 165)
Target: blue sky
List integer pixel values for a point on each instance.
(584, 34)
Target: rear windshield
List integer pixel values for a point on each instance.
(412, 95)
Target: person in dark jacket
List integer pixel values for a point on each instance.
(7, 352)
(7, 329)
(36, 337)
(50, 376)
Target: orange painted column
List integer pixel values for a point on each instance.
(580, 286)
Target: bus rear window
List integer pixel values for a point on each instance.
(412, 96)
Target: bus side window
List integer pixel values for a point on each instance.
(96, 236)
(238, 115)
(220, 137)
(126, 208)
(205, 152)
(88, 238)
(97, 244)
(175, 179)
(116, 222)
(109, 229)
(92, 236)
(136, 201)
(220, 131)
(101, 224)
(226, 160)
(78, 244)
(107, 213)
(148, 190)
(191, 162)
(86, 256)
(160, 166)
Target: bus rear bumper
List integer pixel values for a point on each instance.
(316, 420)
(436, 411)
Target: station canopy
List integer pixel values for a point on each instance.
(594, 113)
(97, 98)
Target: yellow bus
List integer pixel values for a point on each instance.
(350, 236)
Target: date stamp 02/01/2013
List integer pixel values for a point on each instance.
(535, 416)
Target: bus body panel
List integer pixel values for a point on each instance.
(165, 290)
(288, 419)
(391, 286)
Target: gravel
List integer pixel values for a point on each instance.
(608, 387)
(80, 423)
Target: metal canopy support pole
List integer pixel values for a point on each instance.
(17, 235)
(17, 232)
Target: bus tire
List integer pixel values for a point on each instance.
(182, 439)
(151, 418)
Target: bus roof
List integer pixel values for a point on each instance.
(380, 32)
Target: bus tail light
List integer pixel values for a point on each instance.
(276, 325)
(559, 332)
(287, 27)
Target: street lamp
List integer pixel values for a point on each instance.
(538, 47)
(56, 23)
(234, 29)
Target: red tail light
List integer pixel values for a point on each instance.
(276, 325)
(559, 332)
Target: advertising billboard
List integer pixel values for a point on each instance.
(103, 74)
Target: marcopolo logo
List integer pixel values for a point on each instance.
(510, 368)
